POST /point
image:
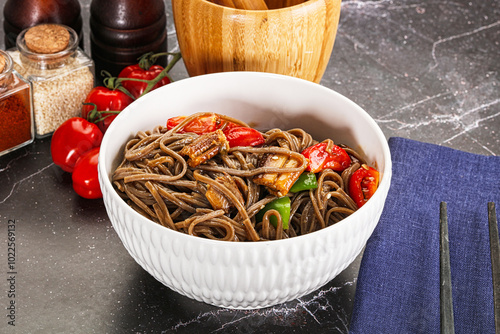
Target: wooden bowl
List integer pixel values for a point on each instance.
(295, 40)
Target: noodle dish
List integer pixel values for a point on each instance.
(243, 189)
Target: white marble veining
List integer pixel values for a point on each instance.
(425, 70)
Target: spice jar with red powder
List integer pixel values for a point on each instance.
(61, 74)
(16, 108)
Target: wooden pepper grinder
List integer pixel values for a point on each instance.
(123, 30)
(22, 14)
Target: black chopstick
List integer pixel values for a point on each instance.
(495, 262)
(446, 299)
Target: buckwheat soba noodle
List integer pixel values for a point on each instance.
(203, 185)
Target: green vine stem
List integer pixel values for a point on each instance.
(114, 83)
(164, 73)
(95, 116)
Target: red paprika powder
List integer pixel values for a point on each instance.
(16, 112)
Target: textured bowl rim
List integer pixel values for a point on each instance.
(384, 183)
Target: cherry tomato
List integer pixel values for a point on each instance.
(152, 76)
(71, 140)
(319, 158)
(172, 122)
(85, 177)
(202, 124)
(363, 184)
(101, 99)
(199, 125)
(243, 136)
(137, 88)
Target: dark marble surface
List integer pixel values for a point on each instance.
(426, 70)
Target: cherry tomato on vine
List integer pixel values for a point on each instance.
(102, 105)
(71, 140)
(85, 176)
(145, 75)
(363, 184)
(136, 88)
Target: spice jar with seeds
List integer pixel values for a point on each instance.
(60, 72)
(16, 108)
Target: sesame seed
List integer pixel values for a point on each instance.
(58, 93)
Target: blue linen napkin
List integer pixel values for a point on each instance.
(398, 282)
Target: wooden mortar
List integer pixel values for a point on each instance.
(295, 40)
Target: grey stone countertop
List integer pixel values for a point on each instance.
(425, 70)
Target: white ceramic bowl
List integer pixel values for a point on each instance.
(247, 275)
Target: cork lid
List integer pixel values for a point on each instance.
(47, 38)
(2, 63)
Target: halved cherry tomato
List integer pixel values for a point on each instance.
(363, 184)
(85, 176)
(236, 134)
(243, 136)
(199, 125)
(172, 122)
(319, 158)
(71, 140)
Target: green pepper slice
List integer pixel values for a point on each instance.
(305, 181)
(282, 205)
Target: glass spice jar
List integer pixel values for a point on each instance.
(61, 74)
(16, 108)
